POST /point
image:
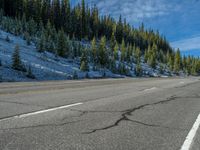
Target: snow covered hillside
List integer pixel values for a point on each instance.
(47, 66)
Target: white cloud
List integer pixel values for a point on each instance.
(135, 10)
(187, 44)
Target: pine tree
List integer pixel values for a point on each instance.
(184, 64)
(129, 53)
(189, 65)
(56, 13)
(112, 40)
(79, 49)
(161, 57)
(123, 51)
(31, 27)
(168, 58)
(2, 5)
(112, 65)
(151, 61)
(27, 38)
(84, 61)
(103, 57)
(50, 37)
(146, 56)
(177, 61)
(38, 13)
(116, 49)
(171, 62)
(95, 21)
(138, 70)
(41, 43)
(123, 69)
(84, 66)
(94, 51)
(17, 64)
(137, 55)
(66, 17)
(152, 55)
(45, 9)
(61, 45)
(161, 69)
(194, 67)
(198, 66)
(74, 47)
(83, 19)
(1, 14)
(119, 30)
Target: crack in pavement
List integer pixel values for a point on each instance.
(83, 112)
(41, 125)
(93, 111)
(154, 125)
(124, 117)
(128, 112)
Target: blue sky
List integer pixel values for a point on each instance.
(177, 20)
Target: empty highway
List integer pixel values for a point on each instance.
(108, 114)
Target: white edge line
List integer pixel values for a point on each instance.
(41, 111)
(190, 137)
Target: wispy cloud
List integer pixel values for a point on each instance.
(134, 10)
(187, 44)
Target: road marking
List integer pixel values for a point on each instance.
(153, 88)
(182, 82)
(190, 137)
(41, 111)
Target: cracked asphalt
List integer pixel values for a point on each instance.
(122, 114)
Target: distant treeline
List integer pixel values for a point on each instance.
(83, 22)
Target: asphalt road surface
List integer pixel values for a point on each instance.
(110, 114)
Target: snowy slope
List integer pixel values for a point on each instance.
(47, 66)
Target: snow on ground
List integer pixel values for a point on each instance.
(46, 66)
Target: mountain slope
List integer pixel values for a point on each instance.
(47, 66)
